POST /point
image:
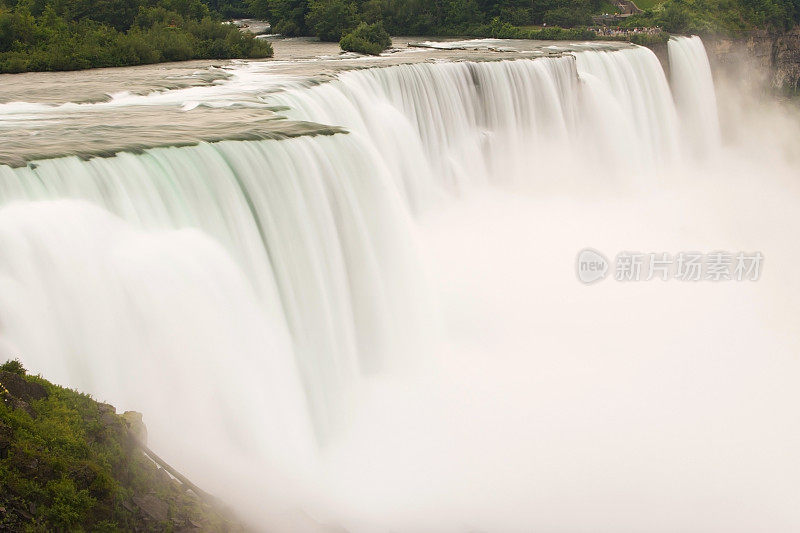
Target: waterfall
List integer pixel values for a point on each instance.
(693, 88)
(315, 224)
(503, 122)
(160, 321)
(277, 274)
(320, 226)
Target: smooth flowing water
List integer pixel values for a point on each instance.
(374, 317)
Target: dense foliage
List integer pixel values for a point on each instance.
(729, 17)
(330, 19)
(366, 39)
(69, 463)
(76, 34)
(535, 19)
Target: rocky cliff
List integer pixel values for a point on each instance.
(775, 57)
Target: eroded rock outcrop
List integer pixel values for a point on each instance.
(775, 56)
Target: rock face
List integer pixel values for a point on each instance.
(136, 426)
(786, 59)
(776, 56)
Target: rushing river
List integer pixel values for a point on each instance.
(343, 291)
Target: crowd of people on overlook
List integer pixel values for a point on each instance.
(607, 31)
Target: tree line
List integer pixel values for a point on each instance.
(76, 34)
(331, 19)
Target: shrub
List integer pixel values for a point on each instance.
(648, 39)
(14, 366)
(13, 63)
(366, 39)
(503, 30)
(69, 506)
(288, 28)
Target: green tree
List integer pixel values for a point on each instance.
(459, 13)
(567, 17)
(367, 39)
(288, 17)
(260, 9)
(330, 19)
(17, 28)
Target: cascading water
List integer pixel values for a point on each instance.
(495, 122)
(320, 225)
(324, 241)
(693, 88)
(262, 297)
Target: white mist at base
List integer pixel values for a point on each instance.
(256, 301)
(649, 406)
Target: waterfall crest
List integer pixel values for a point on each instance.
(503, 122)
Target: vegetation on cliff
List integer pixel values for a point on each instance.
(719, 17)
(69, 463)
